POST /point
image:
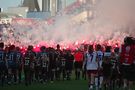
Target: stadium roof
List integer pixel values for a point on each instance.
(9, 15)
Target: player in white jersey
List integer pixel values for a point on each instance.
(91, 65)
(99, 59)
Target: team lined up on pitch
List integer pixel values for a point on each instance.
(107, 68)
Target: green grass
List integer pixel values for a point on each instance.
(59, 85)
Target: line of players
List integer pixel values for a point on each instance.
(47, 65)
(104, 67)
(109, 70)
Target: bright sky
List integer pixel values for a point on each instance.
(9, 3)
(12, 3)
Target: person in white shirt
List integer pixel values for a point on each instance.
(99, 59)
(91, 65)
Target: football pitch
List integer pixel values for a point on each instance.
(57, 85)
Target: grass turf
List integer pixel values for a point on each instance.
(57, 85)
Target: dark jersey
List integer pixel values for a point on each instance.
(59, 54)
(2, 57)
(29, 58)
(107, 65)
(63, 61)
(43, 59)
(107, 69)
(19, 58)
(52, 60)
(60, 60)
(69, 61)
(11, 59)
